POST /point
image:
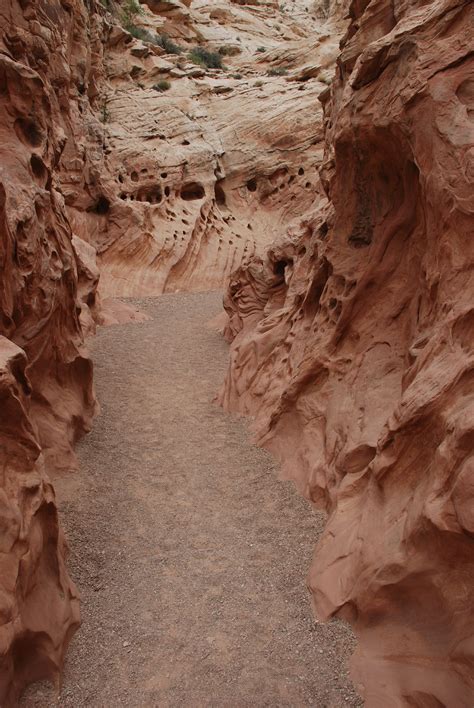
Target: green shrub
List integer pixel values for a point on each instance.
(132, 6)
(258, 84)
(236, 76)
(278, 71)
(261, 49)
(160, 40)
(163, 41)
(162, 85)
(229, 50)
(130, 10)
(139, 33)
(203, 57)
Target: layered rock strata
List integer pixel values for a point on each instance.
(47, 296)
(353, 349)
(196, 169)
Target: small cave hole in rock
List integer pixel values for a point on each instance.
(28, 132)
(152, 195)
(301, 171)
(279, 267)
(185, 142)
(164, 175)
(192, 190)
(219, 194)
(120, 179)
(465, 92)
(167, 191)
(252, 185)
(134, 177)
(39, 169)
(101, 207)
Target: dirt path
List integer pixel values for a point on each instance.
(190, 554)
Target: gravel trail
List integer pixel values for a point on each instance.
(189, 552)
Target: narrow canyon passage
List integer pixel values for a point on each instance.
(189, 552)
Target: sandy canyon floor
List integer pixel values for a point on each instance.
(189, 552)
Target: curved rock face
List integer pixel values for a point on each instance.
(184, 183)
(39, 605)
(47, 297)
(40, 304)
(353, 348)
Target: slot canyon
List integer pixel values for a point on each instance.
(237, 353)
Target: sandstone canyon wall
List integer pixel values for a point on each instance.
(190, 181)
(352, 333)
(47, 301)
(353, 349)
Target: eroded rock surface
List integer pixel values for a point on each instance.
(47, 290)
(39, 604)
(352, 334)
(353, 348)
(189, 180)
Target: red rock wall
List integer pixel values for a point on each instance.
(47, 299)
(353, 348)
